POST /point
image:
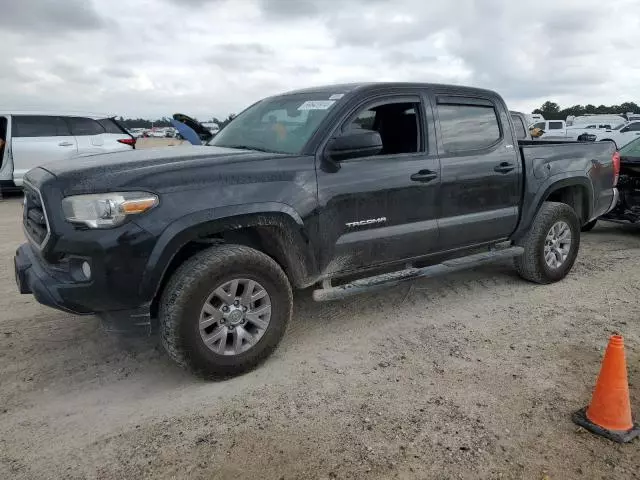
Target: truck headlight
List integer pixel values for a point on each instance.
(106, 210)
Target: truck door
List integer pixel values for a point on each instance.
(382, 208)
(481, 172)
(39, 139)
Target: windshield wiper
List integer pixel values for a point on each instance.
(245, 147)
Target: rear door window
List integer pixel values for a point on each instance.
(39, 126)
(82, 126)
(555, 125)
(468, 127)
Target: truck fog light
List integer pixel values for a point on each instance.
(86, 270)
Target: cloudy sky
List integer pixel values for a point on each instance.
(206, 58)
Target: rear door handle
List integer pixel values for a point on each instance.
(66, 144)
(504, 167)
(424, 176)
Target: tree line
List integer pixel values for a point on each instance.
(164, 122)
(552, 111)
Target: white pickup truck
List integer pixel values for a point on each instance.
(603, 129)
(29, 139)
(621, 135)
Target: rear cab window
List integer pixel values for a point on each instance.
(82, 126)
(468, 124)
(555, 125)
(39, 126)
(521, 131)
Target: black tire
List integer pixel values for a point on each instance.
(532, 265)
(188, 289)
(587, 227)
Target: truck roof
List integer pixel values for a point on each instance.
(364, 86)
(46, 113)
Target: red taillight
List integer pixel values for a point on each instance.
(616, 167)
(128, 141)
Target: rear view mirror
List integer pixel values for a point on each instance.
(355, 144)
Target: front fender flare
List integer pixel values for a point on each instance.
(205, 223)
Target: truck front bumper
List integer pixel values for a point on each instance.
(33, 278)
(62, 291)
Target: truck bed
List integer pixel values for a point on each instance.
(547, 163)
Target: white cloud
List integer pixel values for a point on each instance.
(213, 57)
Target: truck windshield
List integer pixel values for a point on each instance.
(280, 124)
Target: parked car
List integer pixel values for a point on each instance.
(552, 128)
(346, 188)
(137, 132)
(627, 209)
(622, 134)
(33, 138)
(595, 121)
(559, 130)
(521, 131)
(519, 120)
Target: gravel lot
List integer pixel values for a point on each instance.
(469, 376)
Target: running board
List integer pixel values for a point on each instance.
(385, 280)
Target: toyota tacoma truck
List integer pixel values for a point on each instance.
(346, 189)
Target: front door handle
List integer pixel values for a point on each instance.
(66, 144)
(424, 176)
(504, 167)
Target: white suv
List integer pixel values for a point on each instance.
(30, 139)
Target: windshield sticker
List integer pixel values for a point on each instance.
(316, 105)
(336, 96)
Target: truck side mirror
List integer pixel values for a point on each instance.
(355, 144)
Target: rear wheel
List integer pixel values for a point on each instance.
(225, 310)
(551, 246)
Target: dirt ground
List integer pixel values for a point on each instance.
(159, 142)
(469, 376)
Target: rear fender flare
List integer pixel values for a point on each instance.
(206, 223)
(552, 184)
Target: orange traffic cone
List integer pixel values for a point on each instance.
(609, 413)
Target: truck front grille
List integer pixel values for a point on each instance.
(34, 219)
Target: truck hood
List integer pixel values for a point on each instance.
(152, 169)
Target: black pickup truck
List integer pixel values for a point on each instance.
(347, 188)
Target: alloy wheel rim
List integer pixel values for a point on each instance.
(235, 316)
(557, 245)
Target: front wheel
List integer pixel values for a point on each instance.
(225, 310)
(551, 246)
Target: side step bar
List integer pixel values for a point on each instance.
(385, 280)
